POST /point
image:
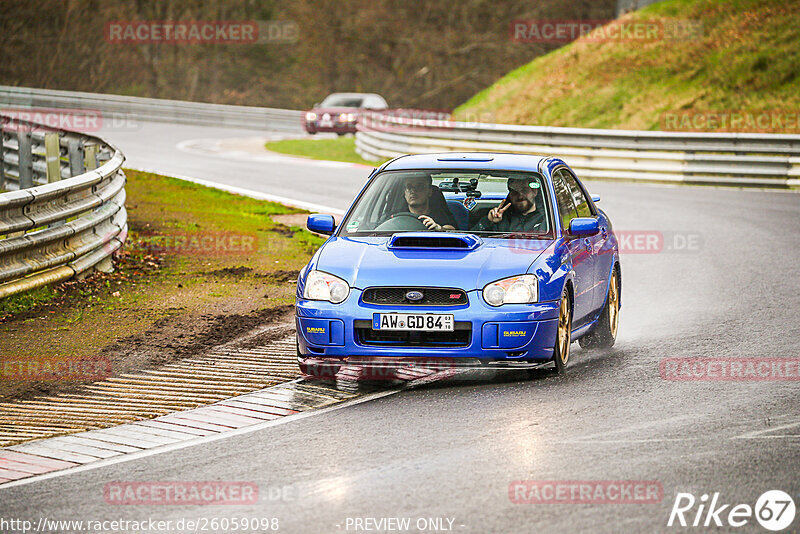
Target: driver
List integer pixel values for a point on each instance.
(418, 190)
(517, 213)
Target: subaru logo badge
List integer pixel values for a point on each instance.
(414, 295)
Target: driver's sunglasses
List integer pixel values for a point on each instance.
(416, 187)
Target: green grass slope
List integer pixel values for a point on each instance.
(746, 60)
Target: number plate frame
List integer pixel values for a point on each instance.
(442, 322)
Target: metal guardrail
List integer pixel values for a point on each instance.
(740, 159)
(154, 109)
(63, 211)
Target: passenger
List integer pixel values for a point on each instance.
(418, 191)
(523, 215)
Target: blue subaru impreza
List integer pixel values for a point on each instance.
(471, 259)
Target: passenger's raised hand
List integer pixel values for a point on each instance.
(496, 214)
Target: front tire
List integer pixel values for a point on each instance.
(563, 334)
(604, 334)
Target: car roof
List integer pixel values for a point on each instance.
(354, 94)
(368, 100)
(467, 160)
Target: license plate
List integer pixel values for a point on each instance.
(425, 322)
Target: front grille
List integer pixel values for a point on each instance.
(387, 338)
(431, 296)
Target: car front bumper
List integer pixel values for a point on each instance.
(513, 333)
(338, 127)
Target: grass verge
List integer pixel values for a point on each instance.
(739, 59)
(200, 267)
(339, 149)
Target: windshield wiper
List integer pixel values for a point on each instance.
(506, 235)
(369, 234)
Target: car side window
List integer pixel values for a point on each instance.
(566, 207)
(578, 196)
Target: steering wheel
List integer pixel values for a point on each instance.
(403, 221)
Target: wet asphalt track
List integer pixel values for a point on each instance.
(450, 450)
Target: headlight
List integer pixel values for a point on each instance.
(515, 290)
(346, 117)
(324, 286)
(311, 116)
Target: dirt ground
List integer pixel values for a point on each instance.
(160, 304)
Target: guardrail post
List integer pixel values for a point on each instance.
(75, 153)
(25, 158)
(90, 157)
(52, 155)
(2, 157)
(106, 265)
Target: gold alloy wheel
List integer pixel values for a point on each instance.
(564, 327)
(613, 304)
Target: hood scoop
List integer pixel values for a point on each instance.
(427, 240)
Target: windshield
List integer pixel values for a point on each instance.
(489, 203)
(342, 101)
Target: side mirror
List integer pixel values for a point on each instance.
(584, 227)
(595, 198)
(321, 224)
(316, 104)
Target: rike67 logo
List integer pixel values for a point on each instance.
(774, 510)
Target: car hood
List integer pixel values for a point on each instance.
(369, 261)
